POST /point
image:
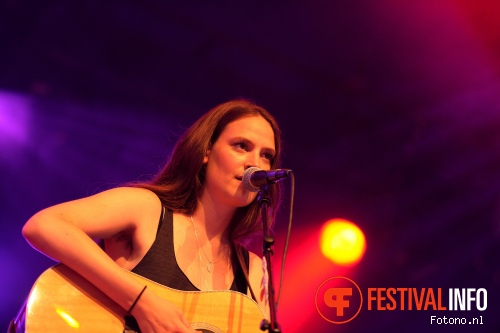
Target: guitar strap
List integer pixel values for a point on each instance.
(239, 253)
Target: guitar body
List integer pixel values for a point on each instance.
(63, 301)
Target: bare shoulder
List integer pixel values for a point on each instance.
(138, 203)
(127, 198)
(139, 210)
(127, 194)
(108, 212)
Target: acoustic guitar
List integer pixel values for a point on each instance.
(63, 301)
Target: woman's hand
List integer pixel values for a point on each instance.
(155, 314)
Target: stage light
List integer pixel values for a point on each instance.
(14, 118)
(342, 242)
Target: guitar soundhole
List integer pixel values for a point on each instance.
(131, 325)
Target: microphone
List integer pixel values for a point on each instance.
(254, 178)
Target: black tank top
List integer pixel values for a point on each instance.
(159, 263)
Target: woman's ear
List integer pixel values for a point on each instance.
(205, 159)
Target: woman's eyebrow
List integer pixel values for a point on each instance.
(269, 150)
(250, 142)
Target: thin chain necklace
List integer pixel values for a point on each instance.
(210, 265)
(227, 276)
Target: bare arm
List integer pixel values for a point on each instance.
(65, 232)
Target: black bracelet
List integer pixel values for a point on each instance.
(135, 302)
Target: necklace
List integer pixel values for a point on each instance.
(210, 265)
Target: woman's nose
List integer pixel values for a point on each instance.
(253, 160)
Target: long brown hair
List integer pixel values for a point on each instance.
(179, 183)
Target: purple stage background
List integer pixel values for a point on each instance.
(390, 112)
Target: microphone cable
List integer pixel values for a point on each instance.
(287, 240)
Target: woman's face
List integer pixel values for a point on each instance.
(246, 142)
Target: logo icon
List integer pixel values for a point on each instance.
(338, 300)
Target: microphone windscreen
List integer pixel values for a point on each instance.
(247, 179)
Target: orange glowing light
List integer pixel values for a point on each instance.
(342, 242)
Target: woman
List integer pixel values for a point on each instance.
(181, 228)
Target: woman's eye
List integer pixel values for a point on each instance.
(241, 145)
(268, 156)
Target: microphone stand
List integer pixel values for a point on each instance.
(263, 199)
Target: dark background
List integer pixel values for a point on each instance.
(390, 112)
